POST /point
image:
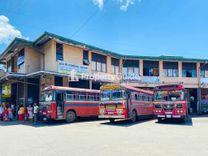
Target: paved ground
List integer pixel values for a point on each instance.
(94, 138)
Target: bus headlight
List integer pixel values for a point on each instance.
(102, 111)
(119, 111)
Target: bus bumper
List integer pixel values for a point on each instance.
(112, 116)
(171, 116)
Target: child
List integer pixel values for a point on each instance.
(21, 113)
(10, 113)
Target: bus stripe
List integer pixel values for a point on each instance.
(82, 105)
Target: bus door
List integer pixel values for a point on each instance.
(60, 104)
(128, 104)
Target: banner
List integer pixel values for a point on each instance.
(6, 90)
(67, 68)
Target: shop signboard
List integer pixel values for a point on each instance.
(6, 90)
(67, 68)
(150, 79)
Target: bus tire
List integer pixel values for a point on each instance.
(112, 120)
(159, 120)
(133, 116)
(71, 116)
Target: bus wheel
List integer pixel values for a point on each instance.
(70, 116)
(133, 116)
(112, 120)
(159, 120)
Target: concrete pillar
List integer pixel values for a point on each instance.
(140, 68)
(180, 69)
(90, 60)
(25, 91)
(90, 84)
(160, 69)
(109, 69)
(120, 70)
(199, 92)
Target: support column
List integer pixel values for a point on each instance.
(140, 68)
(180, 69)
(25, 92)
(199, 92)
(160, 69)
(90, 84)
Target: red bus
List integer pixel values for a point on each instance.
(67, 103)
(125, 102)
(170, 102)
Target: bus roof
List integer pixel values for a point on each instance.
(169, 87)
(117, 86)
(71, 89)
(138, 89)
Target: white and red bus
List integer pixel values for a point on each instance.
(170, 102)
(125, 102)
(68, 103)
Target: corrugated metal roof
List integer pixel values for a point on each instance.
(47, 36)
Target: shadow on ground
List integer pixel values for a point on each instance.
(178, 122)
(125, 123)
(46, 123)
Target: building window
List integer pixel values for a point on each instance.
(189, 70)
(170, 69)
(58, 81)
(130, 67)
(115, 65)
(99, 62)
(21, 59)
(59, 51)
(9, 66)
(150, 68)
(86, 57)
(204, 70)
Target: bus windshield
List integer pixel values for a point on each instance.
(173, 95)
(46, 96)
(112, 95)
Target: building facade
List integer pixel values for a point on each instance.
(55, 60)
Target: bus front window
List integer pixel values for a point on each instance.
(175, 95)
(117, 94)
(46, 96)
(105, 95)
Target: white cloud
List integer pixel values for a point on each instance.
(124, 4)
(7, 31)
(99, 3)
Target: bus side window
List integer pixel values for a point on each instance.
(91, 98)
(69, 97)
(97, 98)
(82, 97)
(136, 97)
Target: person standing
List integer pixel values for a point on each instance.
(21, 113)
(1, 113)
(30, 112)
(35, 112)
(10, 113)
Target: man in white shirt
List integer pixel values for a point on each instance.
(35, 112)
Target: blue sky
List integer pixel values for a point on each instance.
(137, 27)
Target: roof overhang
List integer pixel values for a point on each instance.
(15, 45)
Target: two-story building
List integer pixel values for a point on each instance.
(56, 60)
